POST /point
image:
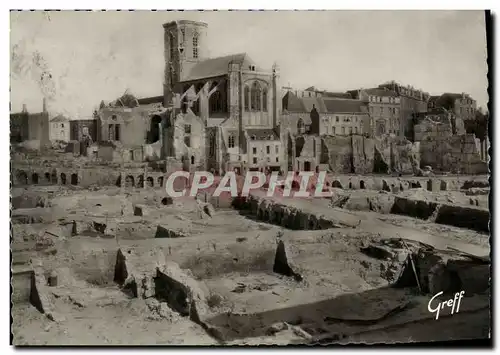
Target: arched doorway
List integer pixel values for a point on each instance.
(362, 184)
(150, 181)
(34, 178)
(192, 159)
(307, 166)
(47, 177)
(63, 178)
(74, 179)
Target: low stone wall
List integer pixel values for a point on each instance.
(464, 217)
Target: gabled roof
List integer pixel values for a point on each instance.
(59, 118)
(218, 66)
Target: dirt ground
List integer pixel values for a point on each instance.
(232, 255)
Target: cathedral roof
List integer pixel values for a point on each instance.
(219, 66)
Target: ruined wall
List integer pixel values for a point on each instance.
(457, 154)
(361, 155)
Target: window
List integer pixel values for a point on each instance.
(300, 126)
(254, 150)
(277, 149)
(187, 129)
(277, 160)
(268, 159)
(343, 130)
(62, 125)
(187, 141)
(254, 160)
(268, 149)
(195, 45)
(252, 138)
(350, 130)
(111, 132)
(264, 99)
(247, 98)
(212, 145)
(172, 46)
(183, 33)
(255, 97)
(333, 130)
(231, 141)
(356, 130)
(337, 118)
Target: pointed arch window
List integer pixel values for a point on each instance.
(195, 45)
(247, 98)
(264, 99)
(255, 96)
(172, 46)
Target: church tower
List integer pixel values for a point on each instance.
(185, 46)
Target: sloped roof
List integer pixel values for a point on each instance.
(217, 66)
(59, 118)
(381, 92)
(292, 103)
(150, 100)
(344, 106)
(262, 134)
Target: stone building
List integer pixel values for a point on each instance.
(81, 127)
(385, 110)
(305, 120)
(324, 115)
(412, 101)
(59, 129)
(228, 96)
(462, 105)
(132, 127)
(33, 127)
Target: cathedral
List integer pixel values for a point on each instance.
(222, 113)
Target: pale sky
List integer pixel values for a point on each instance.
(94, 56)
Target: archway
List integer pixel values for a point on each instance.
(47, 177)
(337, 184)
(150, 181)
(192, 159)
(74, 179)
(362, 184)
(129, 181)
(53, 177)
(34, 178)
(22, 178)
(350, 185)
(307, 166)
(160, 181)
(63, 178)
(119, 181)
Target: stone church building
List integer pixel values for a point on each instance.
(222, 112)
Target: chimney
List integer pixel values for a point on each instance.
(44, 105)
(25, 108)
